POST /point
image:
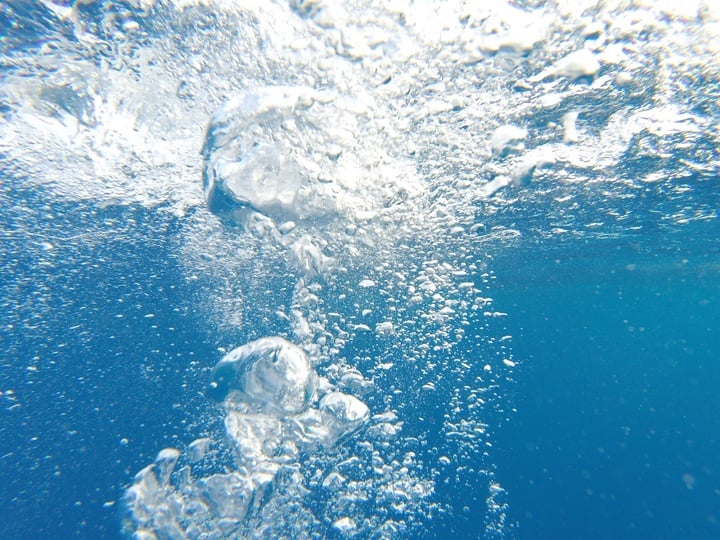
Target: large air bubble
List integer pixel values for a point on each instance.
(258, 156)
(270, 374)
(301, 156)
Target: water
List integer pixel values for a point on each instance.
(477, 245)
(617, 396)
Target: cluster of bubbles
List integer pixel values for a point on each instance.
(345, 190)
(270, 392)
(290, 408)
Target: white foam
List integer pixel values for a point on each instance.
(581, 63)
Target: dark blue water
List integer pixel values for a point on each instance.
(617, 431)
(97, 384)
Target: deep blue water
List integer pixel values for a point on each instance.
(616, 434)
(616, 429)
(106, 381)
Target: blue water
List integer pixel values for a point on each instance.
(102, 389)
(615, 434)
(579, 401)
(616, 430)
